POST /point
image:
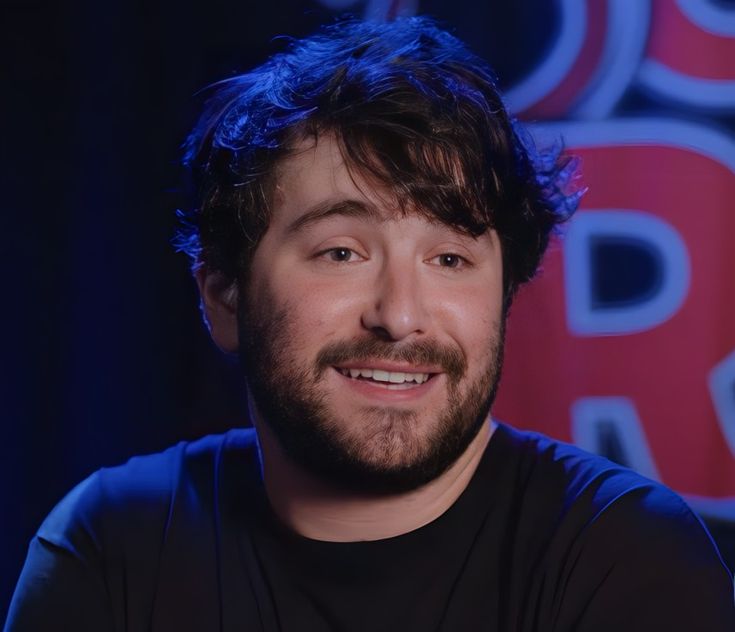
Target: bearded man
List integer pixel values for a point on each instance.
(366, 212)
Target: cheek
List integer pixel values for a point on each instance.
(472, 319)
(318, 309)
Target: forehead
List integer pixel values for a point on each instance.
(315, 177)
(315, 174)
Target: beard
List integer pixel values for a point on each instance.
(389, 450)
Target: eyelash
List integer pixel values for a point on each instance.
(461, 261)
(330, 252)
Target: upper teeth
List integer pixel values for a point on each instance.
(395, 377)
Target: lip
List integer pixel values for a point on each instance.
(393, 367)
(374, 392)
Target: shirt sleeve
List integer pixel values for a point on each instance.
(646, 562)
(62, 586)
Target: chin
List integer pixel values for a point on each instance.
(390, 452)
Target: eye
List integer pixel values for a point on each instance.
(450, 260)
(339, 254)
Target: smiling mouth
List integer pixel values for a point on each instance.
(392, 380)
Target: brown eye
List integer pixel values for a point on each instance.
(449, 260)
(339, 254)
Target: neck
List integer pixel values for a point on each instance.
(319, 511)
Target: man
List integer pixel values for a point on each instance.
(366, 211)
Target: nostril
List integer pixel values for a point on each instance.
(382, 333)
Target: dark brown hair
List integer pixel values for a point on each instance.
(412, 109)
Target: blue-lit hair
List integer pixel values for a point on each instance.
(411, 107)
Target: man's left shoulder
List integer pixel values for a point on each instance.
(628, 550)
(641, 559)
(593, 486)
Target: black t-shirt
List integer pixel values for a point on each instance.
(545, 538)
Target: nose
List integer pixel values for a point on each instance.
(394, 308)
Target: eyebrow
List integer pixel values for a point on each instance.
(325, 210)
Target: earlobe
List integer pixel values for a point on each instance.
(219, 297)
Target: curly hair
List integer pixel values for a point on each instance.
(411, 107)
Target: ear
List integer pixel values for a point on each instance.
(219, 305)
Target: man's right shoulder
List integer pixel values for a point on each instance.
(141, 497)
(99, 558)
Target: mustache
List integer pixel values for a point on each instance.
(451, 360)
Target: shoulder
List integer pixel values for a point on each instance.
(585, 482)
(101, 556)
(623, 549)
(591, 490)
(140, 493)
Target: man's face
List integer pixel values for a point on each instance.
(371, 339)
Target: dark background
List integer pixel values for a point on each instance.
(104, 352)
